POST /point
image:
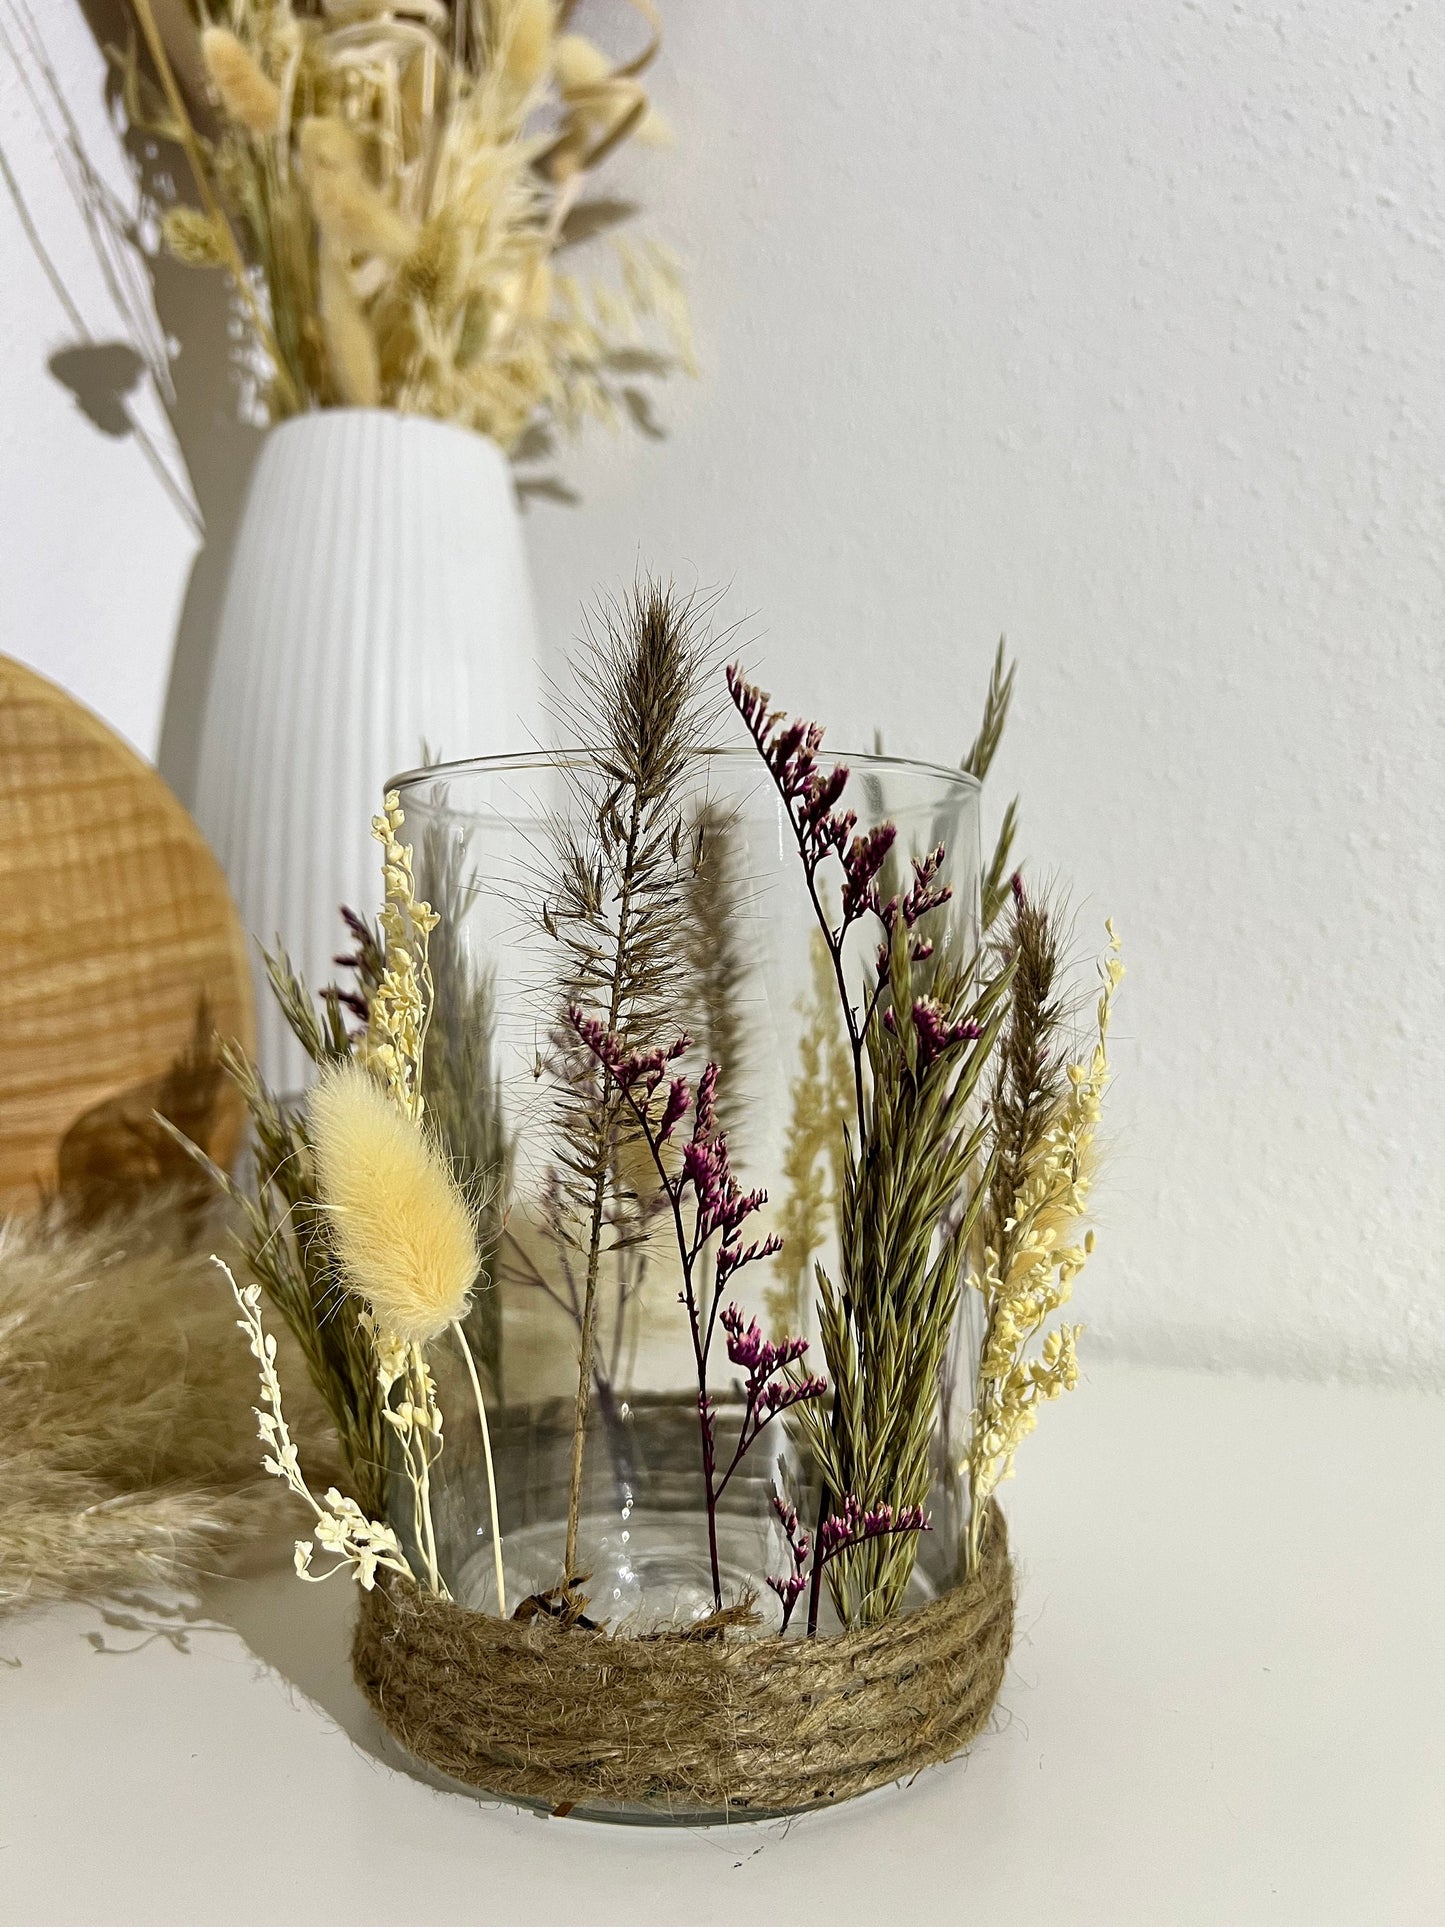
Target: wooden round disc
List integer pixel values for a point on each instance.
(122, 949)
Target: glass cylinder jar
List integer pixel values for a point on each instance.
(723, 949)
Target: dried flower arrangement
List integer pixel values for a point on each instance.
(389, 187)
(941, 1115)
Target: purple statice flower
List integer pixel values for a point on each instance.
(811, 796)
(926, 893)
(722, 1204)
(769, 1387)
(630, 1070)
(706, 1125)
(850, 1524)
(767, 1392)
(679, 1098)
(747, 1346)
(936, 1034)
(865, 857)
(720, 1209)
(792, 1585)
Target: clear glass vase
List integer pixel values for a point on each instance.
(744, 975)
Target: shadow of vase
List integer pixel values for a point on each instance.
(198, 315)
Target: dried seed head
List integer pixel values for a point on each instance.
(353, 217)
(248, 96)
(403, 1230)
(193, 237)
(350, 345)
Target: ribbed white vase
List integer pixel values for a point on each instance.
(378, 600)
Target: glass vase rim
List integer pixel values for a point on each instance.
(517, 761)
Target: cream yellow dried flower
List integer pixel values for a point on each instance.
(526, 40)
(354, 218)
(1033, 1277)
(194, 237)
(406, 1239)
(401, 1003)
(580, 64)
(407, 170)
(403, 1231)
(246, 93)
(349, 341)
(342, 1528)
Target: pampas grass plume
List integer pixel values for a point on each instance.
(404, 1233)
(127, 1447)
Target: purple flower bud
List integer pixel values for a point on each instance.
(934, 1032)
(706, 1123)
(675, 1109)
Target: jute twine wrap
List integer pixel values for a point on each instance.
(677, 1720)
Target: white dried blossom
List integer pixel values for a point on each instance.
(342, 1528)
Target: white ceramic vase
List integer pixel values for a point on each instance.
(378, 600)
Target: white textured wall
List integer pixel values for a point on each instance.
(1117, 326)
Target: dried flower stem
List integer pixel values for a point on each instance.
(720, 1209)
(846, 1528)
(466, 1352)
(618, 916)
(903, 1230)
(225, 237)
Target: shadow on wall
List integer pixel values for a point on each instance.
(198, 383)
(194, 308)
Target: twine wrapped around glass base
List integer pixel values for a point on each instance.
(703, 1722)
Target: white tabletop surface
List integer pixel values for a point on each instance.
(1226, 1706)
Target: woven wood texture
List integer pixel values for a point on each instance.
(116, 929)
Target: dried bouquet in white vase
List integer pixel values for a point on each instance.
(395, 191)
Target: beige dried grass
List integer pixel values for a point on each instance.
(408, 175)
(127, 1446)
(248, 96)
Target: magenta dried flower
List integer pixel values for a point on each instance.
(918, 1045)
(926, 893)
(675, 1109)
(936, 1034)
(720, 1209)
(629, 1069)
(849, 1524)
(792, 1585)
(810, 795)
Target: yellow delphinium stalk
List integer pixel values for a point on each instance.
(1031, 1275)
